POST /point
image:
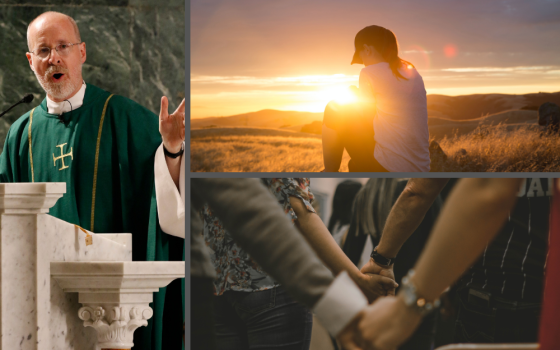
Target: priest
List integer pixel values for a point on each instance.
(103, 146)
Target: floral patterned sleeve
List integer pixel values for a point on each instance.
(283, 188)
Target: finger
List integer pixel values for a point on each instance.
(181, 108)
(388, 283)
(163, 113)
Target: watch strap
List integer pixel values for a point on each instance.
(174, 155)
(380, 259)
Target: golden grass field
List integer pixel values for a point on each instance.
(509, 141)
(498, 149)
(255, 149)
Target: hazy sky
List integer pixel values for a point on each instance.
(295, 55)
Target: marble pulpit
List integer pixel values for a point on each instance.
(62, 287)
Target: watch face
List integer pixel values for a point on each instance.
(409, 296)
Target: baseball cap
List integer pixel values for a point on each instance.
(367, 36)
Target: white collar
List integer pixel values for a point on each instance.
(68, 105)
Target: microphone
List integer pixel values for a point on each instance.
(26, 99)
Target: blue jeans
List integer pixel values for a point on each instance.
(268, 319)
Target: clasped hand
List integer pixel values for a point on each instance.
(384, 325)
(380, 280)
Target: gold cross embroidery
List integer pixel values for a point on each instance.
(62, 155)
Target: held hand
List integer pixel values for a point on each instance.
(375, 286)
(349, 336)
(172, 126)
(371, 267)
(387, 323)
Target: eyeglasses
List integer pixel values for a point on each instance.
(62, 49)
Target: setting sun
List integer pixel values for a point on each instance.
(341, 95)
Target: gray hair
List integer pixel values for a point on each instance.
(70, 19)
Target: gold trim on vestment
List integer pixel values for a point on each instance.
(29, 138)
(97, 161)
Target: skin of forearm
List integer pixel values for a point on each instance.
(471, 217)
(174, 166)
(320, 239)
(407, 213)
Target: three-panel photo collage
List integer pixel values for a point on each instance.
(361, 175)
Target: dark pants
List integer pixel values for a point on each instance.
(264, 320)
(495, 320)
(202, 314)
(356, 133)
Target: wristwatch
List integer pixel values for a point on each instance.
(411, 299)
(174, 155)
(380, 259)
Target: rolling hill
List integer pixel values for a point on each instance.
(447, 108)
(474, 106)
(268, 118)
(512, 120)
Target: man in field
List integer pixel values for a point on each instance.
(102, 146)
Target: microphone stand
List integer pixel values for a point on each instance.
(26, 99)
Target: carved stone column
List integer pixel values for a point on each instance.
(116, 295)
(115, 325)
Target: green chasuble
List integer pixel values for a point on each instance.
(104, 152)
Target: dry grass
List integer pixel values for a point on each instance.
(501, 149)
(252, 150)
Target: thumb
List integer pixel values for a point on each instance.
(371, 267)
(163, 113)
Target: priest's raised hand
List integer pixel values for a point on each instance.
(172, 126)
(172, 130)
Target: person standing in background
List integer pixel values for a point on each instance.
(342, 203)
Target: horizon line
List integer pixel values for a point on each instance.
(303, 111)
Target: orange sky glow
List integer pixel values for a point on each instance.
(291, 55)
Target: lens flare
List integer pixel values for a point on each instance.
(450, 50)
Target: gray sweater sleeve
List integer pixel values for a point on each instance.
(257, 223)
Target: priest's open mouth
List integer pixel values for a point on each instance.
(57, 76)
